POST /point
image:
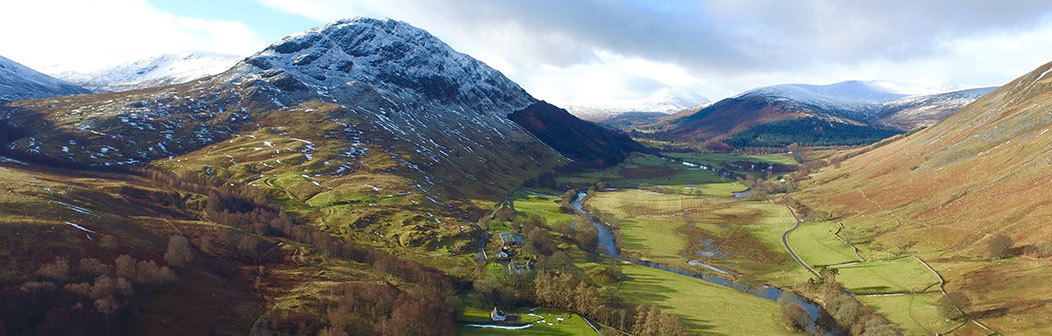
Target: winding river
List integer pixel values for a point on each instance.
(609, 248)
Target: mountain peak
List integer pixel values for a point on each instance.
(394, 57)
(848, 91)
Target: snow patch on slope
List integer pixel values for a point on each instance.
(20, 82)
(156, 71)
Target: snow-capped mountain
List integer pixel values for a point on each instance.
(857, 100)
(394, 58)
(20, 82)
(873, 104)
(925, 110)
(156, 71)
(667, 104)
(383, 96)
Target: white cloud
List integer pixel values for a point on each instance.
(592, 52)
(604, 52)
(87, 35)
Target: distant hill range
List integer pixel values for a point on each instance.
(862, 105)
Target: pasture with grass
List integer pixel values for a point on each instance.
(817, 244)
(544, 321)
(887, 276)
(704, 307)
(917, 314)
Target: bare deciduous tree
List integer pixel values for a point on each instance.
(178, 253)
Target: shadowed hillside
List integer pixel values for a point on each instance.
(588, 144)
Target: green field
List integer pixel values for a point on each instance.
(916, 314)
(817, 244)
(653, 227)
(705, 308)
(652, 170)
(719, 160)
(572, 324)
(546, 206)
(887, 276)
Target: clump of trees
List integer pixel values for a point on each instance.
(89, 296)
(999, 246)
(793, 315)
(953, 305)
(178, 252)
(382, 309)
(566, 201)
(846, 310)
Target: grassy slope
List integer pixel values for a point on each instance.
(347, 196)
(705, 308)
(818, 246)
(546, 206)
(950, 188)
(211, 296)
(915, 313)
(887, 276)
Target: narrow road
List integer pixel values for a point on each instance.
(785, 240)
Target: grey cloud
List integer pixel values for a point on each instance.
(730, 36)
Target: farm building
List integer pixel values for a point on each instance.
(510, 238)
(497, 316)
(503, 253)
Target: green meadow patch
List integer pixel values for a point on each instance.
(916, 314)
(570, 324)
(818, 246)
(543, 205)
(887, 276)
(705, 308)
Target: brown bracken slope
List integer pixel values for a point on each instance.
(945, 192)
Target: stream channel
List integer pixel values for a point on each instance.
(608, 247)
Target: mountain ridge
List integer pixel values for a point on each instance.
(157, 71)
(19, 82)
(854, 103)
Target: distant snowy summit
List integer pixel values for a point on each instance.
(666, 104)
(879, 103)
(20, 82)
(155, 71)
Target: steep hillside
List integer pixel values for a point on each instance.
(921, 111)
(156, 71)
(808, 131)
(947, 192)
(587, 144)
(20, 82)
(319, 175)
(367, 122)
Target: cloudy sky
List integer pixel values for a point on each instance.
(587, 52)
